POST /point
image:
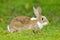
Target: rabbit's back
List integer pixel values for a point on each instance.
(19, 21)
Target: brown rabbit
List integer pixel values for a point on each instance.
(24, 23)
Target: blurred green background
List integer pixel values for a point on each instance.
(11, 8)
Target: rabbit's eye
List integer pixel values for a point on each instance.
(42, 18)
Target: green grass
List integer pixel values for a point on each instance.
(11, 8)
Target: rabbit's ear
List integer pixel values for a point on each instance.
(37, 11)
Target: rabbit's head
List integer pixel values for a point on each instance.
(41, 19)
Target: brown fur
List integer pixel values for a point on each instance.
(18, 21)
(22, 22)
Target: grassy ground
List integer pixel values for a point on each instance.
(11, 8)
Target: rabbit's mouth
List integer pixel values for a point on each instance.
(45, 23)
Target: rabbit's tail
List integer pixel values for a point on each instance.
(8, 28)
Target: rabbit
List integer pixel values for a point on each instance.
(25, 23)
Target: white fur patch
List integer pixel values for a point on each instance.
(39, 25)
(33, 18)
(8, 28)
